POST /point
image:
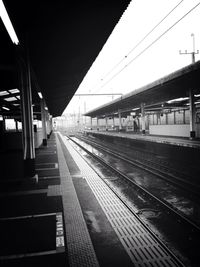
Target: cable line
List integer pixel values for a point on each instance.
(167, 15)
(150, 45)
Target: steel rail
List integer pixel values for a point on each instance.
(125, 203)
(119, 173)
(169, 177)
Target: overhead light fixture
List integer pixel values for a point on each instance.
(14, 91)
(46, 108)
(9, 99)
(40, 95)
(5, 108)
(177, 99)
(7, 23)
(2, 93)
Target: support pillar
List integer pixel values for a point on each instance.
(192, 114)
(2, 130)
(48, 124)
(174, 117)
(106, 118)
(97, 123)
(113, 122)
(16, 126)
(120, 120)
(143, 118)
(184, 116)
(166, 114)
(27, 119)
(51, 123)
(91, 123)
(44, 126)
(4, 124)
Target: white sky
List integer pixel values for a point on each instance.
(157, 61)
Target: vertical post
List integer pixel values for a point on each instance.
(106, 118)
(2, 130)
(143, 118)
(184, 116)
(193, 52)
(44, 127)
(27, 117)
(16, 126)
(113, 121)
(166, 118)
(4, 124)
(191, 98)
(191, 95)
(91, 123)
(48, 124)
(51, 123)
(159, 118)
(174, 117)
(192, 114)
(97, 123)
(120, 120)
(85, 111)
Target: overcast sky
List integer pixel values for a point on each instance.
(140, 51)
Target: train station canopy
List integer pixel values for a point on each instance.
(63, 38)
(156, 95)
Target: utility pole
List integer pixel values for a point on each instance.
(193, 53)
(191, 94)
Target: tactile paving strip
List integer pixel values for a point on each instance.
(79, 245)
(141, 246)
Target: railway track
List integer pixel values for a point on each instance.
(175, 260)
(156, 166)
(143, 190)
(188, 229)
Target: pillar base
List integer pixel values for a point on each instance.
(44, 142)
(29, 168)
(192, 134)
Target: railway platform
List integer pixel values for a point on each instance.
(67, 216)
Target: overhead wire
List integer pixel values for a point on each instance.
(158, 38)
(167, 15)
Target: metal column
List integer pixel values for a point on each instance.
(191, 93)
(16, 126)
(97, 123)
(192, 114)
(91, 122)
(120, 120)
(27, 117)
(113, 121)
(106, 118)
(44, 126)
(143, 118)
(48, 124)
